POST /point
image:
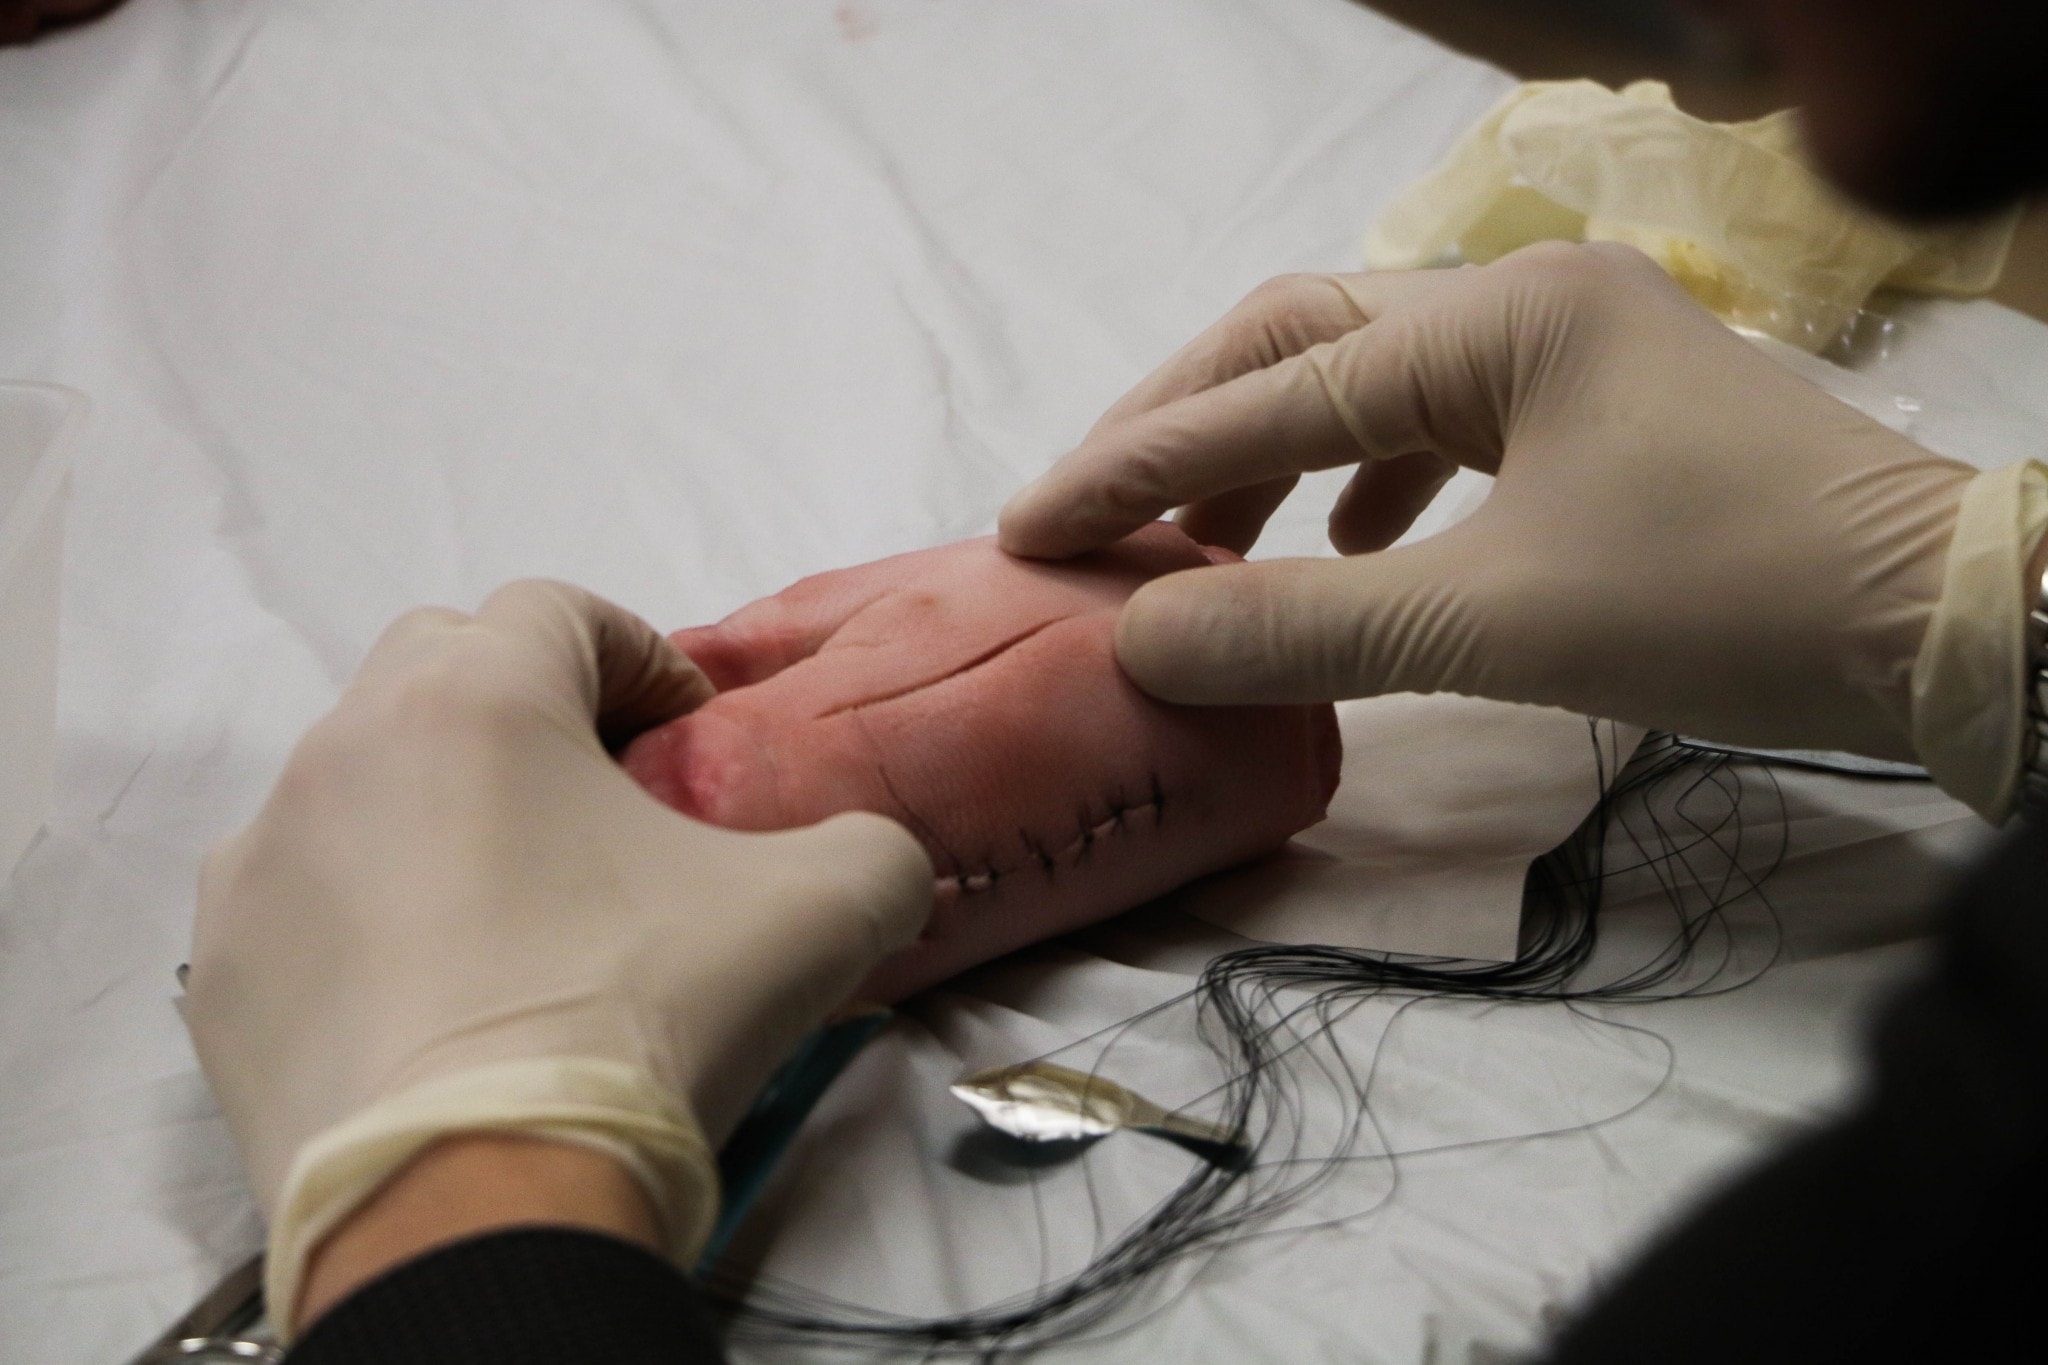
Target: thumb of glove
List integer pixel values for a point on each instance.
(1304, 630)
(875, 870)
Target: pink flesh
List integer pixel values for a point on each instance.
(976, 698)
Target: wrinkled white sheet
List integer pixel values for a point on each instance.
(388, 302)
(1443, 803)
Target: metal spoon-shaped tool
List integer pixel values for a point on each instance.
(1042, 1102)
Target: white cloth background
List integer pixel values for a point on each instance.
(388, 302)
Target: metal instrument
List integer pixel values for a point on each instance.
(224, 1328)
(228, 1326)
(1043, 1102)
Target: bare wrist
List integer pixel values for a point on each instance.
(466, 1185)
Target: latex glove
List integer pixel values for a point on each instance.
(1682, 534)
(456, 913)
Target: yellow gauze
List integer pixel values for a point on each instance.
(1732, 211)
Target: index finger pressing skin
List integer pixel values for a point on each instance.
(1262, 427)
(1282, 317)
(1259, 427)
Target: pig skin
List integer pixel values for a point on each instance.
(976, 698)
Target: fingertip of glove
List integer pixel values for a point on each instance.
(1021, 531)
(1168, 634)
(1239, 634)
(883, 864)
(884, 840)
(1048, 521)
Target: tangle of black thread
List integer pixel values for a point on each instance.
(1680, 809)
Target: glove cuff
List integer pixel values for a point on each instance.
(1971, 678)
(590, 1102)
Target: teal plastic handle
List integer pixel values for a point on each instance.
(757, 1144)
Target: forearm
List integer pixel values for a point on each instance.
(488, 1248)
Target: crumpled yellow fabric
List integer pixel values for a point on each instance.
(1731, 210)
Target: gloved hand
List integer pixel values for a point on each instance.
(1682, 534)
(457, 914)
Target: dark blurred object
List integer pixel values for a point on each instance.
(23, 21)
(1929, 109)
(1667, 27)
(1902, 1230)
(1713, 72)
(1710, 70)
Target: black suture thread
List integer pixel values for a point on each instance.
(1090, 831)
(1037, 851)
(1242, 1016)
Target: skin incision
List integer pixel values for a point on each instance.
(976, 698)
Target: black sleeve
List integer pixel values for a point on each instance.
(529, 1296)
(1911, 1228)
